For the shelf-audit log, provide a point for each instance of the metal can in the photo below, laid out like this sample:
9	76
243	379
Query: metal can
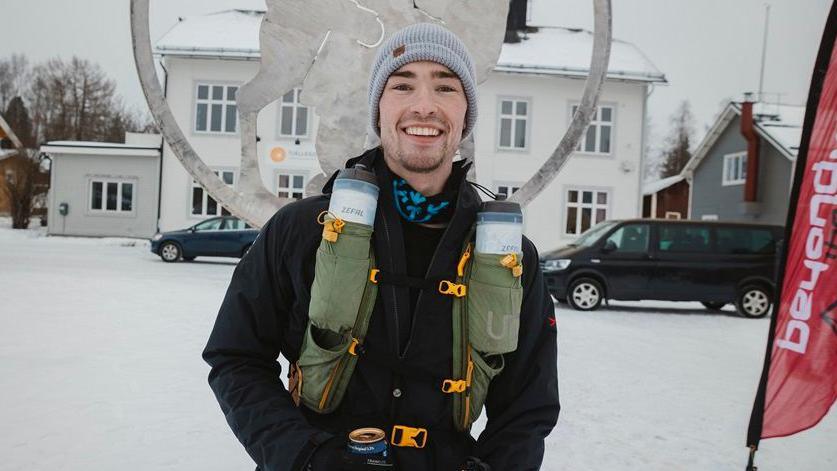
368	442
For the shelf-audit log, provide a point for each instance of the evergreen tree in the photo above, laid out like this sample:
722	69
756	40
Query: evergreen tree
17	116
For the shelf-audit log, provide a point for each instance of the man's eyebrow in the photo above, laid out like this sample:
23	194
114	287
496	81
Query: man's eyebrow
444	74
403	73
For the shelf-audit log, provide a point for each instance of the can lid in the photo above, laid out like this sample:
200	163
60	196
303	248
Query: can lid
358	174
366	435
500	207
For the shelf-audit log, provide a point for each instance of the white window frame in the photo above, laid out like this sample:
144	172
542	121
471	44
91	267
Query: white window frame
673	215
709	217
295	106
598	123
120	182
526	118
739	160
225	103
290	190
205	196
510	186
593	206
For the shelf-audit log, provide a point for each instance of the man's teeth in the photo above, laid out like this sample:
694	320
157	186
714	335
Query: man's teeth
416	131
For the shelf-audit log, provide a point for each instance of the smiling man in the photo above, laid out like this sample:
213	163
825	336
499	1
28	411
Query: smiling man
422	100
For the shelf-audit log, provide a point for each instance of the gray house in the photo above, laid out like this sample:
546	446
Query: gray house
743	168
104	189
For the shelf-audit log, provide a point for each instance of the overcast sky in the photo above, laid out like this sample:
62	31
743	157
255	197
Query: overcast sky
710	50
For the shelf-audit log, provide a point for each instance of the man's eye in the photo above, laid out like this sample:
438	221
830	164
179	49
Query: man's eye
447	88
401	87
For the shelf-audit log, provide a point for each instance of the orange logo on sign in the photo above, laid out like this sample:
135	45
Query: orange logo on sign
277	154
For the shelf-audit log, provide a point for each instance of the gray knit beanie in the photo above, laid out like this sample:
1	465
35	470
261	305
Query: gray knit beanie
423	42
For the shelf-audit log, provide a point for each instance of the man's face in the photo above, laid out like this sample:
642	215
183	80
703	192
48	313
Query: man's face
422	113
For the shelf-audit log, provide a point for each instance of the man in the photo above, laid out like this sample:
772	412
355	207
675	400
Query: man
422	99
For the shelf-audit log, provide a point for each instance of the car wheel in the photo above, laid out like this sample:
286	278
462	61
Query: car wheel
753	301
586	294
714	306
188	259
169	252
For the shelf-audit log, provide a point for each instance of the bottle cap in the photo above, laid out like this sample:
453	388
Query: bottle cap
500	207
358	174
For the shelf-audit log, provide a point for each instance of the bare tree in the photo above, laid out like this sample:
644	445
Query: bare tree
676	153
75	100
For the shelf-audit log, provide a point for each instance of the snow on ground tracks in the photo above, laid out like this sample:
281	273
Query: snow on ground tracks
100	369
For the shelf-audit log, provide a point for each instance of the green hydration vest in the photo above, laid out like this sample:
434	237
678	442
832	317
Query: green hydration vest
485	320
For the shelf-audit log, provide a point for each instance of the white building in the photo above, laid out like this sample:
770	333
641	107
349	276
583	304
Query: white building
525	107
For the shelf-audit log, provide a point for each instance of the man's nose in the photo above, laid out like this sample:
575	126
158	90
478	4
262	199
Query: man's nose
424	102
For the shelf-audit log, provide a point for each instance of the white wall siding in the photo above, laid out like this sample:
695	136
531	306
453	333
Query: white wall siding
222	150
550	102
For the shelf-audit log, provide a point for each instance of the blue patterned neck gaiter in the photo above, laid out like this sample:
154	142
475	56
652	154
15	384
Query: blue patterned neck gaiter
415	207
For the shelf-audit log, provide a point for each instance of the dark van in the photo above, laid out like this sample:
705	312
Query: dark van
715	263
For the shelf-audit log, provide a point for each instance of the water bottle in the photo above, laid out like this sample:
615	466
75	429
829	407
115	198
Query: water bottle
499	228
354	196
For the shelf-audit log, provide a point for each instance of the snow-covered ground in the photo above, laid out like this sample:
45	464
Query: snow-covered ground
100	369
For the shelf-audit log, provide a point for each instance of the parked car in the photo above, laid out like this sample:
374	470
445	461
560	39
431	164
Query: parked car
224	236
715	263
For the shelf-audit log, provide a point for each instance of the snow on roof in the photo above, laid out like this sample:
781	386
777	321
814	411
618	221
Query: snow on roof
782	123
233	33
7	153
550	50
566	51
107	145
653	187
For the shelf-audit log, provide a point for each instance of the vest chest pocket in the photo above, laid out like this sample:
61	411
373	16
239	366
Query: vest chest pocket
485	369
340	274
493	301
320	367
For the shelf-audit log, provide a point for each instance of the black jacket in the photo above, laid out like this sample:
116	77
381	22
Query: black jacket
264	315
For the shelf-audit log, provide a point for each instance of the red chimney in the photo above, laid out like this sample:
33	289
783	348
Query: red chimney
748	131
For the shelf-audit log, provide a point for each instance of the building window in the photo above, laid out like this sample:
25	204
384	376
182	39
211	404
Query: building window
215	109
205	205
293	116
507	190
514	120
735	169
597	138
585	209
290	186
111	196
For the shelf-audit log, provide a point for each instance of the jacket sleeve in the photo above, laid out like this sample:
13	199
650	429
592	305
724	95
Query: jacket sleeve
522	403
243	350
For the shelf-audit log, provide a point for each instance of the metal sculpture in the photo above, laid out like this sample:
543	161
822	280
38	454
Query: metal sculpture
327	46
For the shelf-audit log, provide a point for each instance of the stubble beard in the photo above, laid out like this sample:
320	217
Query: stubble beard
416	162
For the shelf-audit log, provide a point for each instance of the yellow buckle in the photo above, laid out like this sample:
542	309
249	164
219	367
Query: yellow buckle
447	287
373	275
509	261
355	343
454	386
517	271
405	436
460	268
